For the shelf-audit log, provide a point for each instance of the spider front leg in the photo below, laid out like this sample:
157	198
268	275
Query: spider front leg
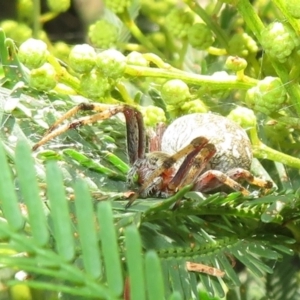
134	125
213	179
190	169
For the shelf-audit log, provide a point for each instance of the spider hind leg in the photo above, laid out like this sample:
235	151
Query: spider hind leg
212	179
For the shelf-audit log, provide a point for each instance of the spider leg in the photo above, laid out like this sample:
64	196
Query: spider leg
194	147
199	164
207	182
213	179
70	113
192	167
239	173
134	125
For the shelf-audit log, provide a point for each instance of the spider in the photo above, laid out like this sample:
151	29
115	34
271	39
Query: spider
205	150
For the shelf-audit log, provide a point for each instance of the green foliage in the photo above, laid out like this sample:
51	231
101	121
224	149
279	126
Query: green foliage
76	245
80	246
63	216
87	254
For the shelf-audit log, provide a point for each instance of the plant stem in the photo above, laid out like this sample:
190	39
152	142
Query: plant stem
48	17
36	18
124	93
228	82
63	74
182	53
260	150
155	59
265	152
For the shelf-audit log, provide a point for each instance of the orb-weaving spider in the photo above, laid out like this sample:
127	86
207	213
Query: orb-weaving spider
205	150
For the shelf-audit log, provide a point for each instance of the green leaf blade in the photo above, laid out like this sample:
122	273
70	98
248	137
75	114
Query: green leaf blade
154	278
110	250
30	191
116	162
224	265
244	258
59	212
93	165
8	196
135	264
87	230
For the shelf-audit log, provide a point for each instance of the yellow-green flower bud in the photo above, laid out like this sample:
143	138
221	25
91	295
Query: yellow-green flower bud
236	63
82	58
268	96
58	6
111	63
293	7
94	85
103	34
153	115
175	91
43	78
194	106
19	32
200	36
245	117
33	53
136	59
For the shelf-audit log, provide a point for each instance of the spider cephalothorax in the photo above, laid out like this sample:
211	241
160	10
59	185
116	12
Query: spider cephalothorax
204	150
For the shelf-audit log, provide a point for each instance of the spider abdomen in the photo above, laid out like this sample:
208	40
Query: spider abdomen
231	141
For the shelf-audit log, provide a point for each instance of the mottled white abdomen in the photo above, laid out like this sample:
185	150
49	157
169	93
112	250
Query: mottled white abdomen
231	141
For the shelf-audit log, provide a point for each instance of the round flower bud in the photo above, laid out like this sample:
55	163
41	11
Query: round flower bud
58	6
158	39
293	7
236	63
153	115
19	32
178	22
243	116
33	53
268	96
194	106
174	111
43	78
200	36
103	34
111	63
242	44
279	40
175	91
25	10
156	8
118	6
136	59
94	85
82	58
